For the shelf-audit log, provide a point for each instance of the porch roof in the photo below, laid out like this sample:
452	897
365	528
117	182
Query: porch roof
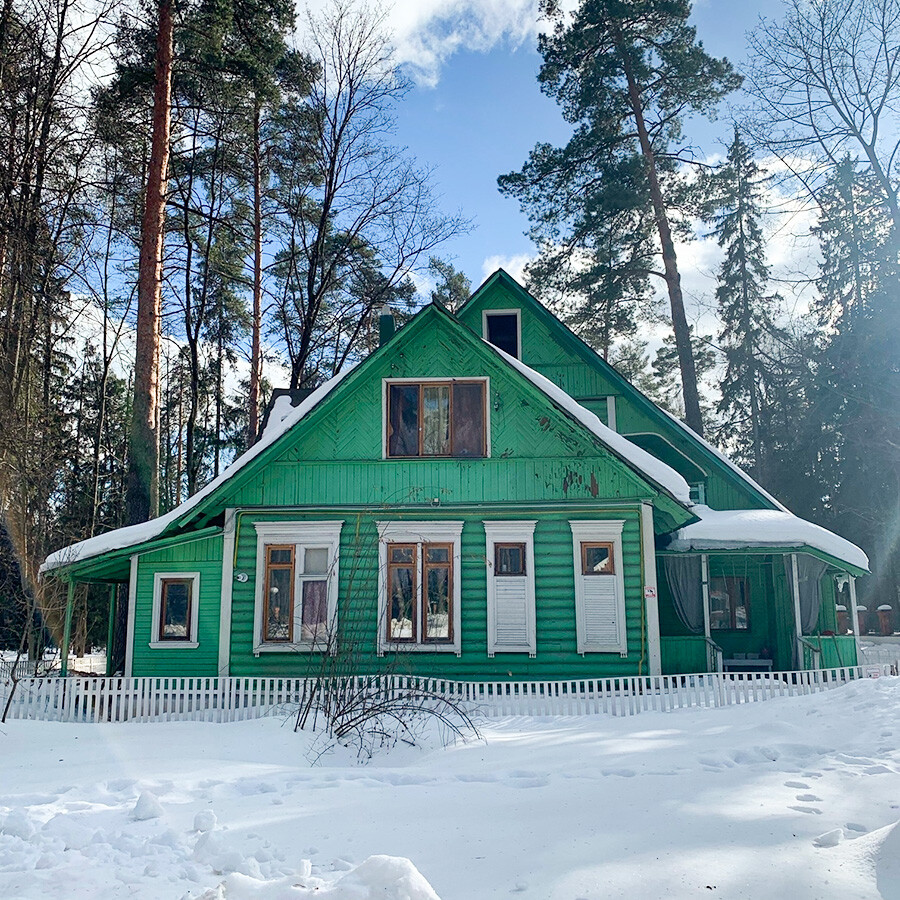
769	529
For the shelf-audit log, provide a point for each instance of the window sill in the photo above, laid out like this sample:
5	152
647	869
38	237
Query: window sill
619	650
400	647
290	648
174	645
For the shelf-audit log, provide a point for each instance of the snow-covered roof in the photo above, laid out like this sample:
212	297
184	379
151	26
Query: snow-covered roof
724	459
735	529
656	470
282	418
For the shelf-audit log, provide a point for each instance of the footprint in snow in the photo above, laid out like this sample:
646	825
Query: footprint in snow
808	798
796	784
622	773
855	826
807	809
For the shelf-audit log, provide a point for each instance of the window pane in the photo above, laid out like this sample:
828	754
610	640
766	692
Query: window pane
403	431
280	555
438	604
176	610
400	612
468	418
279	605
401	554
436	420
729	604
315	561
437	554
509	559
314	614
596	559
503	332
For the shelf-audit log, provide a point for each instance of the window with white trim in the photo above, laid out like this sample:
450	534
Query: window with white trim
176	598
419	586
599	586
296	585
509	554
503	329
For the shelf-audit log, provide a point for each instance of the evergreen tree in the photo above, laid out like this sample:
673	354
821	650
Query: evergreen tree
452	287
626	75
749	336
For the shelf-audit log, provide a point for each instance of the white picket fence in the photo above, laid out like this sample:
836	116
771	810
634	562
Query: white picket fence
115	699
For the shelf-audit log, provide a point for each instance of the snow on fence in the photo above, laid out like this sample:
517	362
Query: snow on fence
117	699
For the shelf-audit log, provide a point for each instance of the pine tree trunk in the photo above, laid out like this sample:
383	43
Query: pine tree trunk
256	350
143	459
670	263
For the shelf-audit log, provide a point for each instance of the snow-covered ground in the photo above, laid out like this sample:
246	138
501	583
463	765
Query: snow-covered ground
795	798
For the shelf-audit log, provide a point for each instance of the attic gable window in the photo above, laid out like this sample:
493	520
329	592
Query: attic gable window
503	329
436	418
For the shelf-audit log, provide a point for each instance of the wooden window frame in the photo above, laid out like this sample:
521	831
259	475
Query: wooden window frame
434	382
426	568
505	545
392	567
296	537
732	610
589	545
191	640
422	535
289	567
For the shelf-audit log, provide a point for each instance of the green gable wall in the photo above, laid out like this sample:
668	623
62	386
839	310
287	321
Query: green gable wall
550	348
203	556
358	602
537	453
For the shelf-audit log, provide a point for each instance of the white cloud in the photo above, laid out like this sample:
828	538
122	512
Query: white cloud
514	265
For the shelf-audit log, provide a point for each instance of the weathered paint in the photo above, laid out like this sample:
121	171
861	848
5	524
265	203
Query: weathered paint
554	351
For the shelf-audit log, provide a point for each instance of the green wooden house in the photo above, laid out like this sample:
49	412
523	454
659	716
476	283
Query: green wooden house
482	498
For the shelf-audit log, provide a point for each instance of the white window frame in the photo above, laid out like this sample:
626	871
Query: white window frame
487	313
302	535
386	382
401	532
507	532
192	643
599	531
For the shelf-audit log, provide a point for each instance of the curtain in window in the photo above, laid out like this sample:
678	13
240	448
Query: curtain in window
809	575
684	577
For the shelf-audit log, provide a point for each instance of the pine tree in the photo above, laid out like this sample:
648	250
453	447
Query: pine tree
749	336
626	75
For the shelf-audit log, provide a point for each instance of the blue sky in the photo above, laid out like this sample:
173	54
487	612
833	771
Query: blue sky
476	110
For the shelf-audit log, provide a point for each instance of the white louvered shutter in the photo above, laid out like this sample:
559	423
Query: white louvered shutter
511	612
601	610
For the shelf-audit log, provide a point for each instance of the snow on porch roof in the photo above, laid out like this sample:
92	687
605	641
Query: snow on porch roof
282	419
737	529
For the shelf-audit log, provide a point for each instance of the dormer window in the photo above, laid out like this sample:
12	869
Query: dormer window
436	418
503	328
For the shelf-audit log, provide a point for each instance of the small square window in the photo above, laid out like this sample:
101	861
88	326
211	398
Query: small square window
509	559
597	559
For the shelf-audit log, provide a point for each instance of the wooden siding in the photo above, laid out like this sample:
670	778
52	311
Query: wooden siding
358	604
205	557
549	348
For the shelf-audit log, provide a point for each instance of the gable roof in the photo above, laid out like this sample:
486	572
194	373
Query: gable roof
651	470
581	349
